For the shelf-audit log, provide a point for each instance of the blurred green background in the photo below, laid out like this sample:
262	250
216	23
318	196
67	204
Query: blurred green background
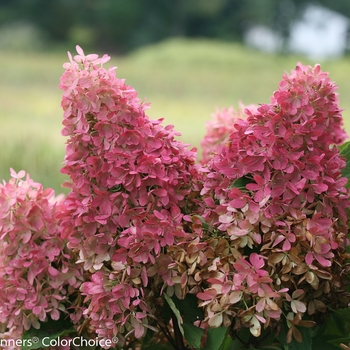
186	58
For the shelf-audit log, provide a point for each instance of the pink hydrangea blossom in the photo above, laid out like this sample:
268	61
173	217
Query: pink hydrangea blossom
274	187
37	274
130	182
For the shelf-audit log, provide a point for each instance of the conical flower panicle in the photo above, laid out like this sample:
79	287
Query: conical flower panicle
130	182
274	207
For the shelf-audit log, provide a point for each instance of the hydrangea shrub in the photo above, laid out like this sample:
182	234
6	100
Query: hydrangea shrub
247	248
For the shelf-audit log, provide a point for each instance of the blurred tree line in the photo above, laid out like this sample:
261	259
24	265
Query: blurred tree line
122	25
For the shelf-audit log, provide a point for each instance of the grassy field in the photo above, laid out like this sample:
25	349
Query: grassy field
184	80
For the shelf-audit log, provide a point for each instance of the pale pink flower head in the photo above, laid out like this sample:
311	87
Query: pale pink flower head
35	266
219	128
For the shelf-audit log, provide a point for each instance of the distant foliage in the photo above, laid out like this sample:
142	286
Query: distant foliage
122	26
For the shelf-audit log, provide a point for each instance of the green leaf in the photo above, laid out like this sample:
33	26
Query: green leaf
228	344
235	344
193	335
345	152
306	333
241	182
188	308
337	324
50	330
217	338
175	311
320	343
267	338
243	337
336	342
343	314
334	331
166	313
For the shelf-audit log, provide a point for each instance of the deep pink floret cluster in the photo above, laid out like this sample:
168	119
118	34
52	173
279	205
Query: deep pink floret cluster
130	186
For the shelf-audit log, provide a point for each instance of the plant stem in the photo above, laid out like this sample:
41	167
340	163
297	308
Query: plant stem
179	341
167	334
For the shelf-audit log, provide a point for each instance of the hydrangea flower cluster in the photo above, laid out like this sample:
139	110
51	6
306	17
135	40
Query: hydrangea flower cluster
37	276
257	231
130	184
273	225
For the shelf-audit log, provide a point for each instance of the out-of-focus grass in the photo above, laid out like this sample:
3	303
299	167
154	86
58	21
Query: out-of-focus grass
30	116
184	80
